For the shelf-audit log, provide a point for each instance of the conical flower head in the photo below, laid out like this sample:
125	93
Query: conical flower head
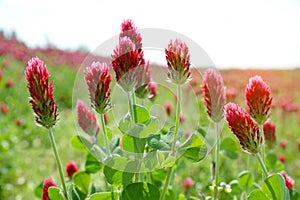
98	81
128	29
125	60
214	95
270	133
87	120
178	61
41	93
258	99
241	124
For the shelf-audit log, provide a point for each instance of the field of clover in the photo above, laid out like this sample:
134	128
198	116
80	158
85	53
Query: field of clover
137	139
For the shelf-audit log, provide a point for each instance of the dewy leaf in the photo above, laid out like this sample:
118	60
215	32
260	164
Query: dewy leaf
194	148
55	193
230	147
140	191
274	187
142	113
82	182
257	195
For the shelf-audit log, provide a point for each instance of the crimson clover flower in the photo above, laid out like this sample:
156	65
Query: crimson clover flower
152	89
258	99
242	125
125	60
71	168
48	182
41	93
214	96
128	29
98	81
270	133
87	120
178	61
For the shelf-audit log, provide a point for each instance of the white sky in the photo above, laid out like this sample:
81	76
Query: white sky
234	33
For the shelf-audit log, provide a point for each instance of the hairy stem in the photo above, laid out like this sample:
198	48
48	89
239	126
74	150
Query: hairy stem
262	164
217	156
173	147
58	161
105	135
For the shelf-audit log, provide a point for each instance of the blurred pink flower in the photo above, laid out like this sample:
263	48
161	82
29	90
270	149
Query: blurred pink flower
71	168
283	144
298	143
282	158
98	81
258	99
41	93
168	108
270	133
214	96
178	60
187	184
241	124
152	89
289	182
4	108
86	119
48	182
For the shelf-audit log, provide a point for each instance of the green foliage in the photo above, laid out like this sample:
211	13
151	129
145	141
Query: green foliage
146	191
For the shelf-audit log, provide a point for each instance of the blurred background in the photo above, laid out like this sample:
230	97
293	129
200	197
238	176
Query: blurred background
242	38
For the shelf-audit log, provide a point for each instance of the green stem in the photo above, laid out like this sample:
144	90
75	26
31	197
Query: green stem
58	161
105	135
263	149
173	147
262	164
217	153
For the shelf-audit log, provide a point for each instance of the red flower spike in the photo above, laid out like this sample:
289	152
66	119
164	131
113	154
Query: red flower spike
258	99
130	30
241	124
98	81
86	119
187	184
289	182
214	96
298	143
270	133
41	93
178	60
71	169
48	182
125	60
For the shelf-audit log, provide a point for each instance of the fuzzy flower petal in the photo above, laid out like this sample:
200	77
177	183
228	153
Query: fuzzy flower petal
86	119
214	95
41	93
178	60
128	29
98	81
289	182
258	99
241	124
